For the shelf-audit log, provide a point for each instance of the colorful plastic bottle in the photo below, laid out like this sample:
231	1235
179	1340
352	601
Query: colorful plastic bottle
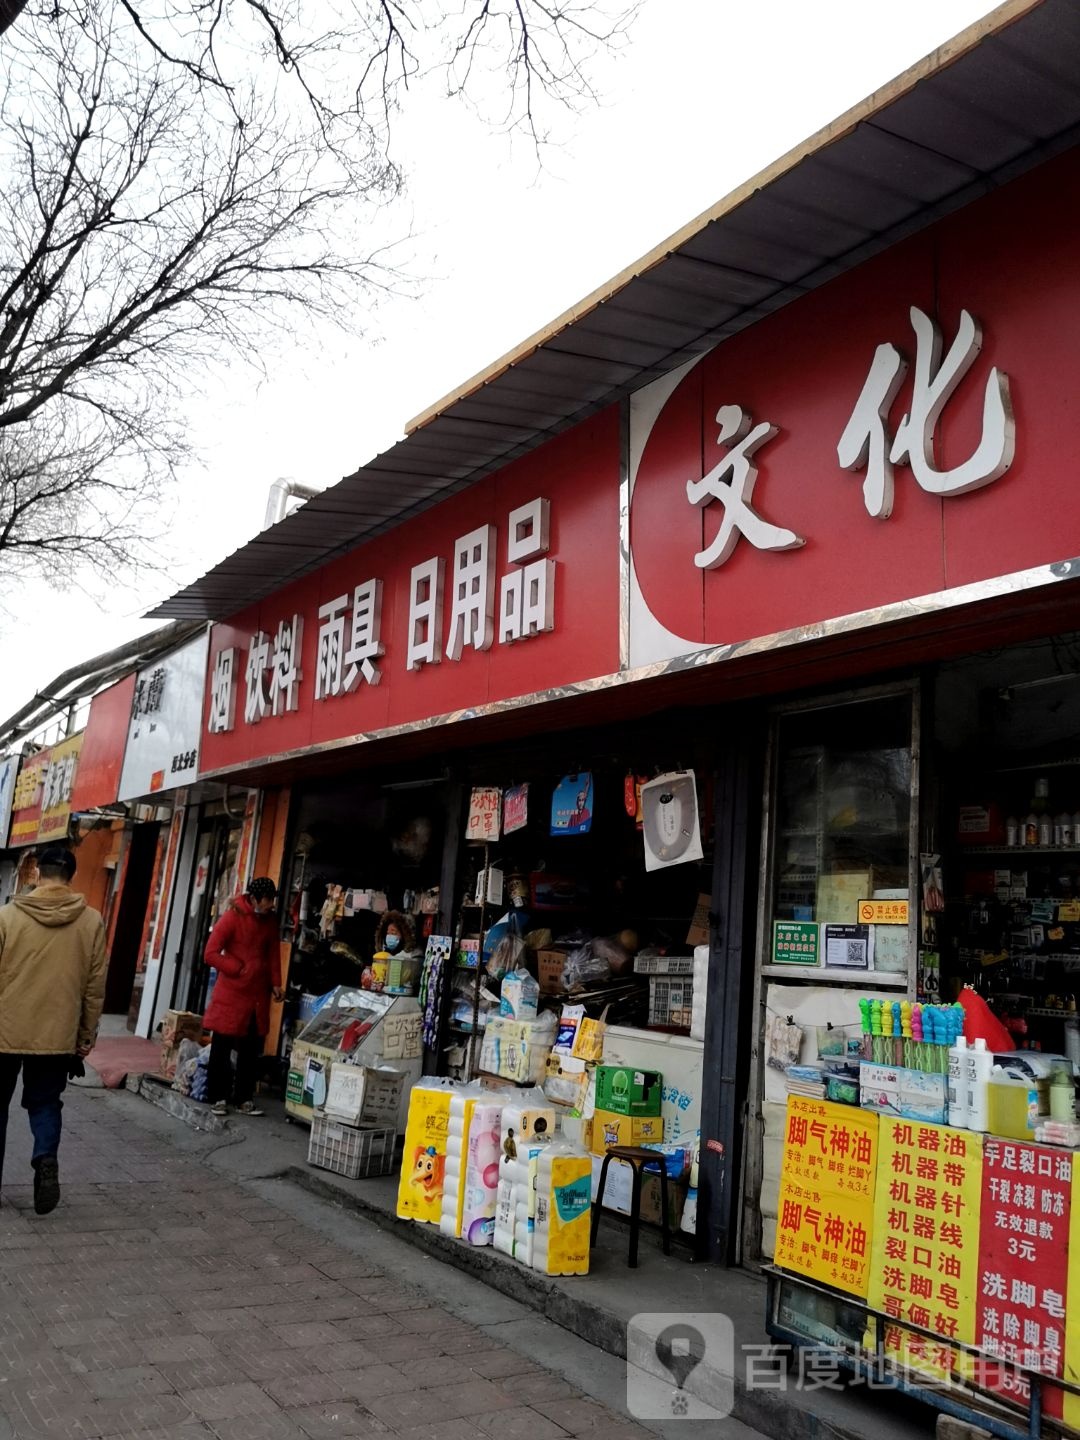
959	1109
979	1065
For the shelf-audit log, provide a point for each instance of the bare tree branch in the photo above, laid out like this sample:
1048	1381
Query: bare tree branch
182	181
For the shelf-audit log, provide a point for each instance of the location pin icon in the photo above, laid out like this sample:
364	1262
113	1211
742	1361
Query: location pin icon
679	1348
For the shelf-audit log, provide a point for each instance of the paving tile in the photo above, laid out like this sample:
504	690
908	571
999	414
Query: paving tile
531	1389
258	1427
228	1402
498	1364
167	1348
436	1429
450	1402
305	1333
520	1423
164	1302
576	1417
325	1422
121	1384
296	1392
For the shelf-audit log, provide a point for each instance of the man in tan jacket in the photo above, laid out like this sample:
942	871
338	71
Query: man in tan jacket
52	987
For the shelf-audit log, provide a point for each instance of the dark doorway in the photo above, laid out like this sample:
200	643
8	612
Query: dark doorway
130	918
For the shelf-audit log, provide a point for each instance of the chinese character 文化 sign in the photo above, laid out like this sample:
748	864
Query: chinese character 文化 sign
866	443
826	1205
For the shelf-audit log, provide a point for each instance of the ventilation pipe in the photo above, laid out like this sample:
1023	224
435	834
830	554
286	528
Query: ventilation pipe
282	491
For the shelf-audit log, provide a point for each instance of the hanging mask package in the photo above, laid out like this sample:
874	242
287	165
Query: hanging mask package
784	1040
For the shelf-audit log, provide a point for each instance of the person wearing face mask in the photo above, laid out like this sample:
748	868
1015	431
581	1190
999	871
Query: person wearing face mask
393	937
243	949
395	933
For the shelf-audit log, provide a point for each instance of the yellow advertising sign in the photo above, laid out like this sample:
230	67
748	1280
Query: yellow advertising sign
1072	1309
925	1253
883	912
56	790
826	1207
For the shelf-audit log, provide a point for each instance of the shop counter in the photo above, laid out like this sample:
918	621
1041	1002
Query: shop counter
945	1261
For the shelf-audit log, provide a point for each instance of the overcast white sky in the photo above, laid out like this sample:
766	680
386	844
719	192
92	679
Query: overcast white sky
706	93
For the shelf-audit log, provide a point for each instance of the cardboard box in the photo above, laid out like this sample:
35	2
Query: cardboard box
181	1025
906	1094
550	966
879	1088
626	1090
649	1206
612	1129
361	1095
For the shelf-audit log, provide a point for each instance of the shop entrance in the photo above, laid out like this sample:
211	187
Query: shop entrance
130	918
210	886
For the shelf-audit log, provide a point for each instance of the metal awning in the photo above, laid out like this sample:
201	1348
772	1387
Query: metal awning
993	102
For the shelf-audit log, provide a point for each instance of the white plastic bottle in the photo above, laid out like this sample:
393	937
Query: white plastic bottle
980	1066
959	1109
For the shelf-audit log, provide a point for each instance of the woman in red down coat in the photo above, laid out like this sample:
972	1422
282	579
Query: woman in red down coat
243	949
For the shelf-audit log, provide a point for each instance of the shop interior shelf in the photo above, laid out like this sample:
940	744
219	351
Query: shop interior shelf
817	975
1033	850
1043	1013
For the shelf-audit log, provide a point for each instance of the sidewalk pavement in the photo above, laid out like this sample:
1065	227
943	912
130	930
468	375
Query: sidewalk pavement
597	1309
164	1300
114	1057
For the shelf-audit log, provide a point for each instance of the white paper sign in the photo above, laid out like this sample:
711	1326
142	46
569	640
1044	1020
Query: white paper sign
485	814
166	722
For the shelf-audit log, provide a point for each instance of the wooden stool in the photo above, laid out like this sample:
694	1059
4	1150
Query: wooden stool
639	1159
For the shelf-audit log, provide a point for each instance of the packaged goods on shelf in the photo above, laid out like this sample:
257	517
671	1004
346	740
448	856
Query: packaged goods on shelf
517	1049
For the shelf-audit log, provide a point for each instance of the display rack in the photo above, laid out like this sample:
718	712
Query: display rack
471	1034
960	1396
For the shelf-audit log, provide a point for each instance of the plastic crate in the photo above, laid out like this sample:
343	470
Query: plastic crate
349	1150
671	1001
664	965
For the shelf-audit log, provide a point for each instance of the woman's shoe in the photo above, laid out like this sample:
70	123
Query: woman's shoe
219	1108
250	1108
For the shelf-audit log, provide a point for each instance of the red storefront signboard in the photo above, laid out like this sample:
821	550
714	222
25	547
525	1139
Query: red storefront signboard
507	589
26	807
897	433
1023	1278
97	782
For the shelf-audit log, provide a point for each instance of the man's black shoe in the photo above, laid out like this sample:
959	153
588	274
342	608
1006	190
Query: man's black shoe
46	1185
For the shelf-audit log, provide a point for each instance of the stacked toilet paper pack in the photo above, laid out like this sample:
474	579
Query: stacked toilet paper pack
527	1126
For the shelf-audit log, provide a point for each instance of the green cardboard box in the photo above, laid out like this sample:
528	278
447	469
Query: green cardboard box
626	1090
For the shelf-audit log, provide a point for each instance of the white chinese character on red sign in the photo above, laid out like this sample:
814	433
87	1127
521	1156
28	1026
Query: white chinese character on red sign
472	604
425	614
527	597
735	493
222	714
340	666
285	673
257	691
865	443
